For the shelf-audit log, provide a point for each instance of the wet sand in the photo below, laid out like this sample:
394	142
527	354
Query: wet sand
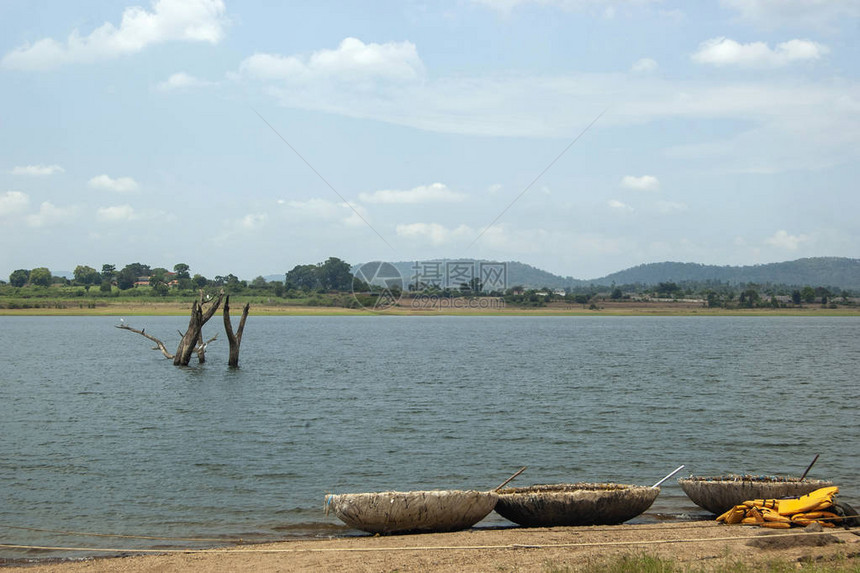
703	545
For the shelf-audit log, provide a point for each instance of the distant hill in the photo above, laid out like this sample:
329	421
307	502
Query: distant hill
521	274
518	274
838	272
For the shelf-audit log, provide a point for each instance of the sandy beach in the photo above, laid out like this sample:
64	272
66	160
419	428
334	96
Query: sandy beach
702	545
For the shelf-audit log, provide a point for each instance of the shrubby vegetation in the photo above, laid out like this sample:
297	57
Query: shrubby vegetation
716	294
327	283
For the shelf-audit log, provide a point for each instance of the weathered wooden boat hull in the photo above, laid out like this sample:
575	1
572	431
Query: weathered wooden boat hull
721	493
574	504
412	511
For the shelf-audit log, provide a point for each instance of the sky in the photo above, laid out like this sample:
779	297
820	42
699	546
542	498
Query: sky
579	136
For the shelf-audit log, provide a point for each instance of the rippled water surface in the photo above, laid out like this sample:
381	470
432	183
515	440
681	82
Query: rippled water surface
98	433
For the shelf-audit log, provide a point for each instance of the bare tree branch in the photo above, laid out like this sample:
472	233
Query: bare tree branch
200	349
159	344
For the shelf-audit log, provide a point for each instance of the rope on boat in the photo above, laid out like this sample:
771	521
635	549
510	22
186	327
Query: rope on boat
417	547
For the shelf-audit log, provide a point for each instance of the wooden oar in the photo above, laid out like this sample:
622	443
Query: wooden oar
510	479
679	468
815	459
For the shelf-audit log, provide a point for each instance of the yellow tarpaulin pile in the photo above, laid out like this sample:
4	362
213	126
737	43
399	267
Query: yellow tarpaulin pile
783	513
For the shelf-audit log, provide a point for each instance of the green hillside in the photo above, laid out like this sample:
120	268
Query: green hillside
838	272
518	274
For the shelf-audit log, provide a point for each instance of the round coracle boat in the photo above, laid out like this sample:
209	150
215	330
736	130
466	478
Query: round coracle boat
412	511
574	504
720	494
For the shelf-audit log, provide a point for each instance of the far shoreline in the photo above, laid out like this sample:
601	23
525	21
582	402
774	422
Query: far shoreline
604	309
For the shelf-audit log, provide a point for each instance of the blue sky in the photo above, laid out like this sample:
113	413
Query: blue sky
246	138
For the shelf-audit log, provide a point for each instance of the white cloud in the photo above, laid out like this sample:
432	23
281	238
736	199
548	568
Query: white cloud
768	13
822	131
643	183
49	214
501	5
788	123
781	239
607	8
318	208
727	52
323	209
169	20
182	81
504	104
618	205
246	226
37	170
352	60
434	193
119	185
434	233
253	221
644	66
13	202
671	206
116	213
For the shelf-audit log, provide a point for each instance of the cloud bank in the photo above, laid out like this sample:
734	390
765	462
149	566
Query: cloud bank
37	170
168	21
118	185
352	60
434	193
643	183
727	52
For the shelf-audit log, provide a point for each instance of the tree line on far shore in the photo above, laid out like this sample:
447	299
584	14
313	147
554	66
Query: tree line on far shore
322	284
329	282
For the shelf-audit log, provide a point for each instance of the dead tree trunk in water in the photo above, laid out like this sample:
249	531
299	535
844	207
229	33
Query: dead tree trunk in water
234	339
191	339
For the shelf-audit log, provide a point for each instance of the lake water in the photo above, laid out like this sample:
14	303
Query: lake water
98	433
